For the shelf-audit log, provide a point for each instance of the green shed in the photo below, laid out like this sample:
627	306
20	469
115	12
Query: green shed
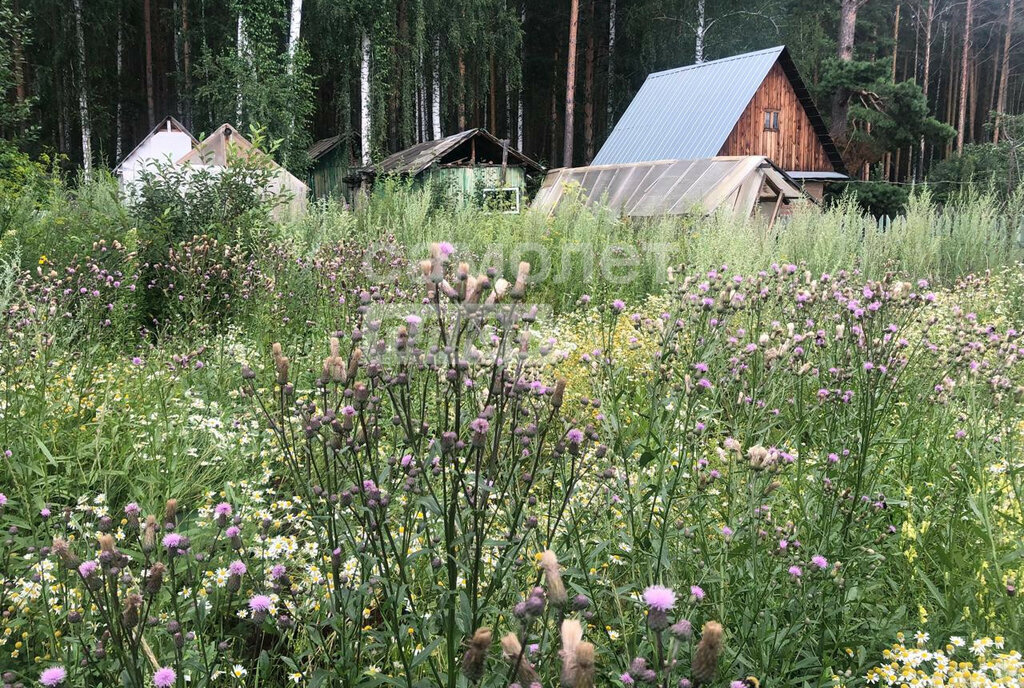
331	160
471	166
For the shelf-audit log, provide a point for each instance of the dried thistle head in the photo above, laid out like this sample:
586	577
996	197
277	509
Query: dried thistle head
64	553
149	534
106	543
519	288
553	579
512	650
559	394
584	666
476	655
171	512
705	657
571	635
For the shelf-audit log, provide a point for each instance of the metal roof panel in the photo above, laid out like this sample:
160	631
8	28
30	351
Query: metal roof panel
687	113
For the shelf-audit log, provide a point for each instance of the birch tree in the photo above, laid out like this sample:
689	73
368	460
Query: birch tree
364	98
83	91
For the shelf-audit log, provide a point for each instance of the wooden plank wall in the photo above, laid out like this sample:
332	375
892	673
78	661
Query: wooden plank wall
795	146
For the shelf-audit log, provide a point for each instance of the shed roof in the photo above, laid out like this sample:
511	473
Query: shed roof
417	158
669	187
689	112
325	146
166	124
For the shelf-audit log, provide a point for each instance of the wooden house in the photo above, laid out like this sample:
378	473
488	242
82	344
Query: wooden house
469	166
331	160
751	104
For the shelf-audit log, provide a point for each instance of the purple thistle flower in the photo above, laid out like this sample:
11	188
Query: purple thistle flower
222	509
659	597
236	568
795	571
278	571
54	676
575	436
87	568
697	592
819	561
164	677
172	540
619	305
260	603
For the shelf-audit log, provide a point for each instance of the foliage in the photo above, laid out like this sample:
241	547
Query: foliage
992	166
894	116
14	115
878	199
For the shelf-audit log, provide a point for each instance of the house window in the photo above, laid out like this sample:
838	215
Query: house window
771	120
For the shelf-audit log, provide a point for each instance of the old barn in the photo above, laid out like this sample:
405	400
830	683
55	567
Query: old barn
751	104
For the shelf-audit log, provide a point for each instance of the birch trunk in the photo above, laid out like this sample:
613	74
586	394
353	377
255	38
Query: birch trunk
364	99
294	31
186	63
698	43
147	30
570	83
119	117
83	92
435	110
609	110
1004	75
242	46
519	100
964	76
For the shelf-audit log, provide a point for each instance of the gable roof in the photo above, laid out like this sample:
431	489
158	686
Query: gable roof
689	112
668	187
419	157
213	150
165	124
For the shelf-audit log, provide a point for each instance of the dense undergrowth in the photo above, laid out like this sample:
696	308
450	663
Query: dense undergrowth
671	453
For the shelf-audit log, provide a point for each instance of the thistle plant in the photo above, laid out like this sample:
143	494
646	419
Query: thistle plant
436	456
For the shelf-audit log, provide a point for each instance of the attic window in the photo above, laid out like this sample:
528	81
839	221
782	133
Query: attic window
771	120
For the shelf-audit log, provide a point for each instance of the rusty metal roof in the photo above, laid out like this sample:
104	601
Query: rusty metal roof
669	187
418	158
689	112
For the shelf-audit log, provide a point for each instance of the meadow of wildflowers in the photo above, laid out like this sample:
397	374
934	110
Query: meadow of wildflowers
317	462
